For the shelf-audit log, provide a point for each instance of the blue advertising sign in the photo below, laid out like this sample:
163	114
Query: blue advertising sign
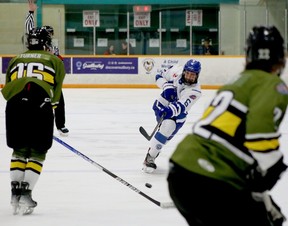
6	60
67	65
105	65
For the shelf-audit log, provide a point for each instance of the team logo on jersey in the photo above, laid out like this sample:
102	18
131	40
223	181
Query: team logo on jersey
282	88
193	97
148	65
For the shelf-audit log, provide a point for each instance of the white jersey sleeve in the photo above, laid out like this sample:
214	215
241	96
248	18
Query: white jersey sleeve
169	75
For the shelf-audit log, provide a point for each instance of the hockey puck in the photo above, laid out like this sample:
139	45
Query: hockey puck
148	185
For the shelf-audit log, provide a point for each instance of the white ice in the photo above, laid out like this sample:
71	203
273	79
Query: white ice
104	125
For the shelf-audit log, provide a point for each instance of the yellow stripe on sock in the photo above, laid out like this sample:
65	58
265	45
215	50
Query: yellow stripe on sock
34	166
17	164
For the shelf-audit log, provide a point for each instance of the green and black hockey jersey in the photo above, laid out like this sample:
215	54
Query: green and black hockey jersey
38	66
238	129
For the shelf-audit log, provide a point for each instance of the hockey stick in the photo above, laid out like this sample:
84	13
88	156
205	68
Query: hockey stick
146	135
163	205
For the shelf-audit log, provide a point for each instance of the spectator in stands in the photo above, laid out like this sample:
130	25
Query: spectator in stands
110	50
206	48
125	48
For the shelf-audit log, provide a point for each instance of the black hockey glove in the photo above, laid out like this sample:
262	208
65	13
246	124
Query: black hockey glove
274	214
262	181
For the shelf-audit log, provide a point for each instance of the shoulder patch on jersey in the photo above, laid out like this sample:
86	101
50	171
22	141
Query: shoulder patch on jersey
282	88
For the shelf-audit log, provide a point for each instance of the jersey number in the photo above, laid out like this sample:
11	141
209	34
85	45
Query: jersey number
30	70
219	105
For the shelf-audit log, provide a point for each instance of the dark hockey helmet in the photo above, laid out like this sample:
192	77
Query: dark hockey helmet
38	38
49	29
192	66
265	45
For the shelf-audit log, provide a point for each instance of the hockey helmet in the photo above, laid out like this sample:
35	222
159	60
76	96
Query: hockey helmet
38	38
265	44
49	29
191	66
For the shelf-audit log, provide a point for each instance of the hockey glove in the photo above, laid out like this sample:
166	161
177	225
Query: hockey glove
274	214
173	110
261	181
169	92
166	112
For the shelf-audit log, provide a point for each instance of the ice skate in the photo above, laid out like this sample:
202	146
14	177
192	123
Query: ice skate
26	203
63	132
16	191
149	164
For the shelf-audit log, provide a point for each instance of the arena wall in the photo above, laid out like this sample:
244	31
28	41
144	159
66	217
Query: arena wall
140	71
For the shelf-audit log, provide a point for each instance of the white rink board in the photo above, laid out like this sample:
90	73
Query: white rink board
216	70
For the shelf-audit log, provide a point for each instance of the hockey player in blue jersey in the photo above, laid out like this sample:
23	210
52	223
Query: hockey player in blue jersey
181	90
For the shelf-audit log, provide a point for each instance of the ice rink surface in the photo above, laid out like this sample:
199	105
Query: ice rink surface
104	125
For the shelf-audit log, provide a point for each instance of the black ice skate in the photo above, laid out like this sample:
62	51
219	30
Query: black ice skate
63	131
15	196
26	203
149	164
